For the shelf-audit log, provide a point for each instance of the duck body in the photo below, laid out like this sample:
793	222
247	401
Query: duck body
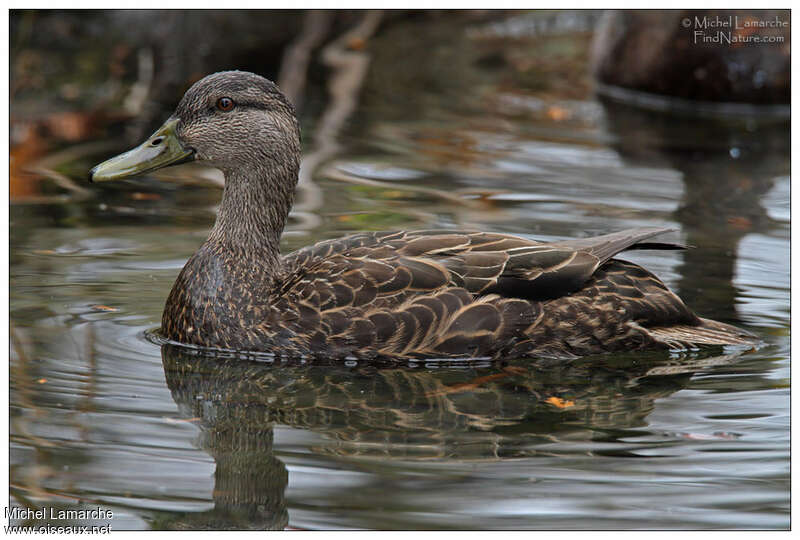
398	294
436	294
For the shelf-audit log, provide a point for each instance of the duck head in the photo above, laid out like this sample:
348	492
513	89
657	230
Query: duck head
232	120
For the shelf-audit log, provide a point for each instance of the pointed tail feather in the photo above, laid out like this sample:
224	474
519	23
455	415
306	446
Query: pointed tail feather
606	246
707	333
658	246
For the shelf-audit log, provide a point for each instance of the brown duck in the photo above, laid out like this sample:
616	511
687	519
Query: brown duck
437	293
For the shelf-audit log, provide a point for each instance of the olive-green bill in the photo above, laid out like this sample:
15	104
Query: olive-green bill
161	150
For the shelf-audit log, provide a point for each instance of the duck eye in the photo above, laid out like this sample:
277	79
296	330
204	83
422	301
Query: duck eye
225	104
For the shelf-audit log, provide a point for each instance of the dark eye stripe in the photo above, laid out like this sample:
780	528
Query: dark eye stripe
254	105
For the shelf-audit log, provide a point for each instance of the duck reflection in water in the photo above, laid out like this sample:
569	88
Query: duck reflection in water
728	165
447	411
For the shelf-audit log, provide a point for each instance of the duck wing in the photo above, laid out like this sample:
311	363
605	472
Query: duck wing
360	269
520	268
444	293
549	270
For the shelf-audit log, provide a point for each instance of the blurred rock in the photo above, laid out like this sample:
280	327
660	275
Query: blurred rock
699	55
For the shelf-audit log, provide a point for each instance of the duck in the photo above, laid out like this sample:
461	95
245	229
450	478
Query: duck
390	294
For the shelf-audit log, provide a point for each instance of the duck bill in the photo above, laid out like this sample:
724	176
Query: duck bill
162	149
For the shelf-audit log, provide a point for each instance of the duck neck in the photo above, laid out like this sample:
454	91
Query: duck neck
251	218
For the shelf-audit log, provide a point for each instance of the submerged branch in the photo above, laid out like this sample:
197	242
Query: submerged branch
349	69
294	65
335	173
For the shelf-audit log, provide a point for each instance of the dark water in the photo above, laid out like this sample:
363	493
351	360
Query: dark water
101	416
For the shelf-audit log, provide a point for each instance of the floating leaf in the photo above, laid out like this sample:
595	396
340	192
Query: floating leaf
100	307
560	403
742	223
139	196
557	114
356	44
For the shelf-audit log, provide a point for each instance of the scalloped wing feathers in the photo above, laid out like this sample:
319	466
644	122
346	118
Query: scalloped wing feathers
444	293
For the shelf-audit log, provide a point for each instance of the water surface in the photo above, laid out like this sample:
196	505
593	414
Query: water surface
165	438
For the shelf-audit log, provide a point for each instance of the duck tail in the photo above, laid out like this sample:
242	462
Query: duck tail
707	333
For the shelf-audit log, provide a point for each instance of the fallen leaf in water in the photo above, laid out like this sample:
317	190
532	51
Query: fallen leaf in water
357	44
71	125
515	370
100	307
41	381
740	222
29	148
449	147
473	384
139	196
482	194
560	403
557	114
